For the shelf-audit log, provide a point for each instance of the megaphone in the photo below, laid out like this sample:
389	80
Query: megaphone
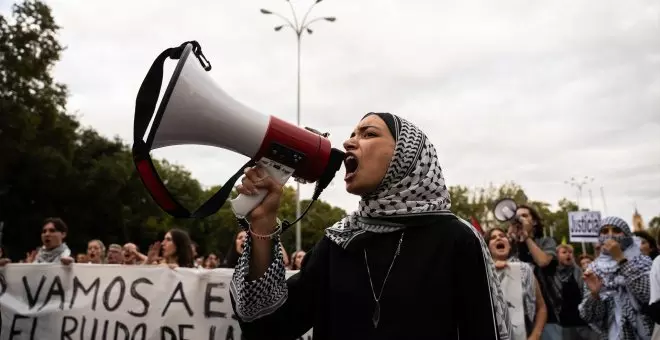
195	110
505	210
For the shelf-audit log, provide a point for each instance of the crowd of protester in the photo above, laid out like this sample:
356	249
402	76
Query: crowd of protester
175	250
612	294
606	295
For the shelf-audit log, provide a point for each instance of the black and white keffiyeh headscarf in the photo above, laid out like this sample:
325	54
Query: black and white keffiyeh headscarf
413	184
626	318
606	267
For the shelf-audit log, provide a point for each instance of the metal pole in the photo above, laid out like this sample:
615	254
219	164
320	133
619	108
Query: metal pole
584	245
298	224
602	194
579	186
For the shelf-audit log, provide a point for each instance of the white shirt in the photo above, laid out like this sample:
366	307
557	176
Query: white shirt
655	280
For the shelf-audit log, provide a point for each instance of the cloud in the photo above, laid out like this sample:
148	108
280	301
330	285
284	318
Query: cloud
535	92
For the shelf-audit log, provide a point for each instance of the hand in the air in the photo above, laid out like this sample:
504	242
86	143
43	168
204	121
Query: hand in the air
154	250
592	281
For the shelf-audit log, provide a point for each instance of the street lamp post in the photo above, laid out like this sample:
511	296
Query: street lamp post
579	184
298	27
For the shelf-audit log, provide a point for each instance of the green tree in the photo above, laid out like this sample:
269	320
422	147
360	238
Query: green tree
37	137
655	222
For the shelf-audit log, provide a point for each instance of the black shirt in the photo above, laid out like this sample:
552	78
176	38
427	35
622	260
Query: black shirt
438	288
571	298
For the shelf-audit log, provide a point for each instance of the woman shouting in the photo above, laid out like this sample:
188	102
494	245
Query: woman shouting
401	266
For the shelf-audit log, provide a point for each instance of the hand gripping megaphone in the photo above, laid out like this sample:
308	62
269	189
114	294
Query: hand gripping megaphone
195	110
505	210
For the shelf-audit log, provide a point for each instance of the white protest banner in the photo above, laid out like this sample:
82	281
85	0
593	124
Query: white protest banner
113	302
512	289
583	226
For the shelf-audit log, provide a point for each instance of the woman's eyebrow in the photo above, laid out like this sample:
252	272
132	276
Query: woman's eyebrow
362	128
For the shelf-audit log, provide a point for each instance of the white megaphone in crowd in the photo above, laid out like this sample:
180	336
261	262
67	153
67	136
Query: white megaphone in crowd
505	210
195	110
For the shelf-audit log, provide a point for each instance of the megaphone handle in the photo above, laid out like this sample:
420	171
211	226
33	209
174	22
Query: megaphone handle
243	204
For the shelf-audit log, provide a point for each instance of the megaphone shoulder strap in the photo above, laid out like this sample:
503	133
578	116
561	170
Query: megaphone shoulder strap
145	105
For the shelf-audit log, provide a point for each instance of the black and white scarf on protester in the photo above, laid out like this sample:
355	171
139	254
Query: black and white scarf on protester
413	185
614	284
562	276
52	255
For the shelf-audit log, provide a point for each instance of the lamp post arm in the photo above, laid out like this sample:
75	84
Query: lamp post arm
309	10
306	25
292	27
288	22
295	17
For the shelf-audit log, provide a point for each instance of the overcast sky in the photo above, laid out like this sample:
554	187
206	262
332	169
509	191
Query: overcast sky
530	91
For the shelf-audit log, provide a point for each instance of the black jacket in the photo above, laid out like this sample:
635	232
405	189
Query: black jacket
437	289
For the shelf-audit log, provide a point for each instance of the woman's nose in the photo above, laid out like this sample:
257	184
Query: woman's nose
350	144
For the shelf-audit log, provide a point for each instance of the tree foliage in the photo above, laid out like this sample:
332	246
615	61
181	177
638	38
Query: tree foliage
655	222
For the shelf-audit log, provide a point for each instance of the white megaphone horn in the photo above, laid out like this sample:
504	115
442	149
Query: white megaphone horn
195	110
505	210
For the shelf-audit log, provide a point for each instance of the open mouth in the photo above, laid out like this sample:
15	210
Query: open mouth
351	165
500	246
